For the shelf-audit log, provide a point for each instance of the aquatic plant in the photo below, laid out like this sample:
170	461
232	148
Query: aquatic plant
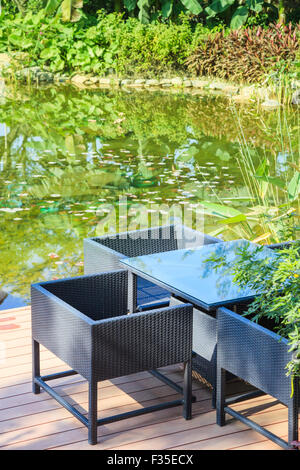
272	189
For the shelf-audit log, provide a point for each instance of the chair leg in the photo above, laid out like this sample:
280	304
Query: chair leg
293	420
36	368
93	412
220	393
214	397
187	390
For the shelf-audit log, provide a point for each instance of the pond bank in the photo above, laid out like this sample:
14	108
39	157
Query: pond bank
266	95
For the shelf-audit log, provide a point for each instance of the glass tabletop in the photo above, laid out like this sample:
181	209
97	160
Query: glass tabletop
188	274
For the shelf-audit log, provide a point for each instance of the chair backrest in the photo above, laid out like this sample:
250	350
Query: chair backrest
141	242
142	341
94	295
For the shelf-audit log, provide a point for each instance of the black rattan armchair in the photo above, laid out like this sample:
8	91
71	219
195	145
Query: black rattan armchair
104	253
84	322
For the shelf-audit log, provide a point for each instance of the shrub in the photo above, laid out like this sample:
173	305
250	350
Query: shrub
98	45
246	54
277	282
154	48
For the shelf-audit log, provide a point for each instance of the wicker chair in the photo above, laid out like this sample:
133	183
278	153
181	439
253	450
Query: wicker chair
84	322
103	254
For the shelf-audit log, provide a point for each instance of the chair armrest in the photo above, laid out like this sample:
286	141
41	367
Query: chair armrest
99	258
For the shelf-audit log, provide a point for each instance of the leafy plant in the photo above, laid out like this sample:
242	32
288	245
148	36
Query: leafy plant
239	11
147	10
271	210
110	43
70	9
245	55
276	280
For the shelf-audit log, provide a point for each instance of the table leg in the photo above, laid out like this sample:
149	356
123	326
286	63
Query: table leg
132	292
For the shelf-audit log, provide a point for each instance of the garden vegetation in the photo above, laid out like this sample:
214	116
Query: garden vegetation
242	40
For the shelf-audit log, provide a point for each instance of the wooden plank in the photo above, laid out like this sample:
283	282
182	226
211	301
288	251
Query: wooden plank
81	402
21	332
17	310
236	441
23	356
42	442
8	372
21	378
265	444
19	389
105	388
179	436
30	421
17	342
164	435
24	319
67	430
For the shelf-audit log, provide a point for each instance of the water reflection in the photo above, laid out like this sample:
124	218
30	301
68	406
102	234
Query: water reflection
66	155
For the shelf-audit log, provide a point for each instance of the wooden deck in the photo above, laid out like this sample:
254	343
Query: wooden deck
38	422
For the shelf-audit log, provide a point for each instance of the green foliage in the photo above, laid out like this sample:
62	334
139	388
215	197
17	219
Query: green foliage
110	43
128	47
146	10
234	13
35	5
154	48
246	55
276	280
271	213
149	10
70	9
238	12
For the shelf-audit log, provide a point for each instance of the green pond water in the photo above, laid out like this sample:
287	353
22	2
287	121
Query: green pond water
67	157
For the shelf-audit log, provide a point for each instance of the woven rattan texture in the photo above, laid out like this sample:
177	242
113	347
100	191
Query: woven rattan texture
91	295
68	336
142	341
254	354
142	242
